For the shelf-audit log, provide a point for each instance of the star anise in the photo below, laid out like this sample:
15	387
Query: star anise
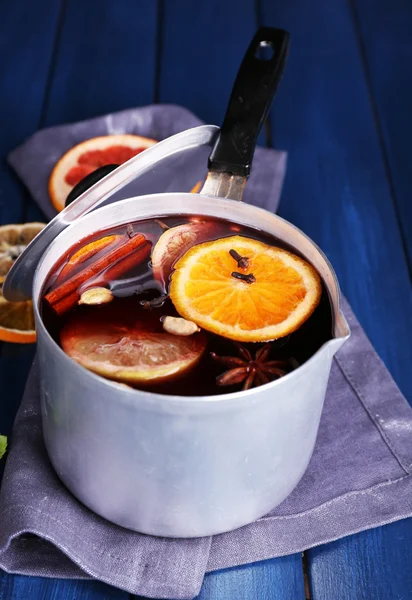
249	370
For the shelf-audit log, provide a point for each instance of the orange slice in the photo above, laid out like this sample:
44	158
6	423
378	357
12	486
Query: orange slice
88	156
284	294
16	321
130	354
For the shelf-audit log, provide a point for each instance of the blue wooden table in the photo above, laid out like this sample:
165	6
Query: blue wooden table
343	113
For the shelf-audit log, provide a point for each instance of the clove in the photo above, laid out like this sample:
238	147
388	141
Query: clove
242	261
162	225
249	278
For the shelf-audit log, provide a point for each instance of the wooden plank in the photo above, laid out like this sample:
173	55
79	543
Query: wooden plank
374	565
337	191
267	580
202	46
18	587
200	54
23	77
105	59
384	34
23	80
15	363
336	188
121	59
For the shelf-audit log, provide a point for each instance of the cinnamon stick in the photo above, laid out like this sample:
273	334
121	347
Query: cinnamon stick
85	253
65	304
111	266
126	263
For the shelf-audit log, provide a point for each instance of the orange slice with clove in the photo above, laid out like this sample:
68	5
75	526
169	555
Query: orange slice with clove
265	297
138	353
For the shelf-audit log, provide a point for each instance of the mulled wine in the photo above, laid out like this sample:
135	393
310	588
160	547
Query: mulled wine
186	305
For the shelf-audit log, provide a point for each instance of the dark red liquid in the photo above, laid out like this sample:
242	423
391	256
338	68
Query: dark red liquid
139	284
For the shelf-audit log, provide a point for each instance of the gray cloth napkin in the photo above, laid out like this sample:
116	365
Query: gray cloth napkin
358	478
34	160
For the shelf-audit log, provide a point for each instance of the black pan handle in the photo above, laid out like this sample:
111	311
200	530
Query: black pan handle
250	102
87	182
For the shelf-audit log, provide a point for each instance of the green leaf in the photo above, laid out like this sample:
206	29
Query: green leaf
3	445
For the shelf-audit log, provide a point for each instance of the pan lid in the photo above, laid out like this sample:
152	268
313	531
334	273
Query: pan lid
178	162
174	165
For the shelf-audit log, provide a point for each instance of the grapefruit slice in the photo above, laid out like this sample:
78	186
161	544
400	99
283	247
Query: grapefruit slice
264	297
137	354
88	156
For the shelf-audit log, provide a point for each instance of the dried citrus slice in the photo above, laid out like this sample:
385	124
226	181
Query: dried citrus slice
267	299
88	156
130	354
13	240
16	321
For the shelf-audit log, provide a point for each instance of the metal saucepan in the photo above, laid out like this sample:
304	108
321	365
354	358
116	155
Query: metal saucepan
171	465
